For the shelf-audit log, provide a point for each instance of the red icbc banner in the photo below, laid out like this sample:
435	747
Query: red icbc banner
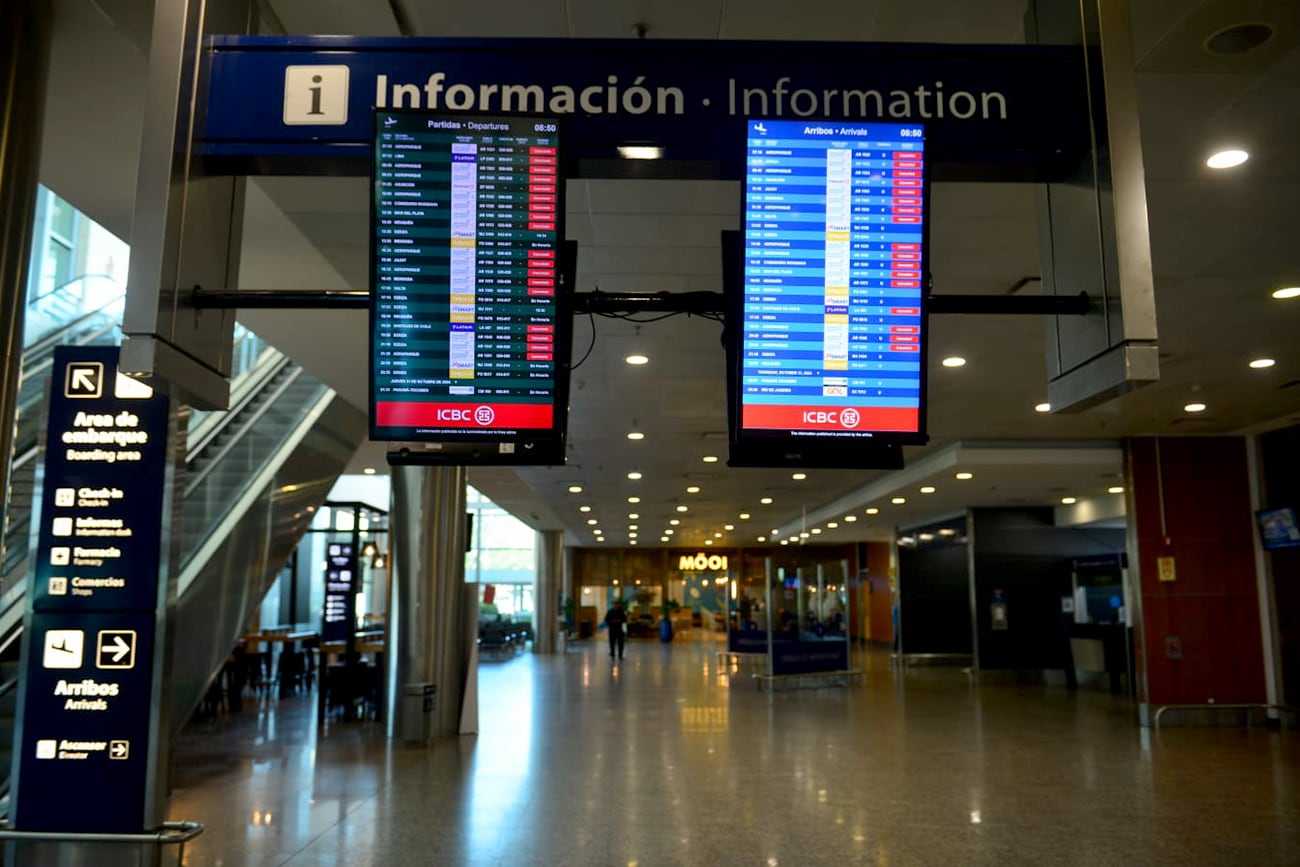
870	418
483	416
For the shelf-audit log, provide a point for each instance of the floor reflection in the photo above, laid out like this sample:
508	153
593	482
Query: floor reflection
673	756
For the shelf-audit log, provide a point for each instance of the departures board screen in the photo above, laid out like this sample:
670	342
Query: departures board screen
834	281
469	331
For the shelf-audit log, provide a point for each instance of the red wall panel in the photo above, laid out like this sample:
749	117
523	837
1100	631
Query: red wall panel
1212	607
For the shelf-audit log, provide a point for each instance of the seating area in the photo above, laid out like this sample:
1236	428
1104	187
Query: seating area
502	636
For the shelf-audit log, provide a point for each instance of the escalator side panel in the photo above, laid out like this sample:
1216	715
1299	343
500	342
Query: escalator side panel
229	586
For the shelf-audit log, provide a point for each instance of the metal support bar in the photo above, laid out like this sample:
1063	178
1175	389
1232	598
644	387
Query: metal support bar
1240	706
168	834
631	303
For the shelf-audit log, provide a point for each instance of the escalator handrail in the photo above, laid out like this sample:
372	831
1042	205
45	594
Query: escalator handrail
193	482
49	341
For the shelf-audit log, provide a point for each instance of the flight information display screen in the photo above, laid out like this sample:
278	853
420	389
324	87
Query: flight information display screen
833	341
467	322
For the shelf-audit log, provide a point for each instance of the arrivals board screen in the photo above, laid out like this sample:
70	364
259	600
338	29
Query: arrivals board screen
834	279
468	327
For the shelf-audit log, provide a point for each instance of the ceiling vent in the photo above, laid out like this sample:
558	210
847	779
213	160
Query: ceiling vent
1240	38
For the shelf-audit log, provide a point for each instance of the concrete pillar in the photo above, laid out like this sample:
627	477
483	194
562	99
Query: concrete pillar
429	639
549	587
24	58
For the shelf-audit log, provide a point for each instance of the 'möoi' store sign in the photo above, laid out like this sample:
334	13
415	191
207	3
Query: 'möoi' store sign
702	562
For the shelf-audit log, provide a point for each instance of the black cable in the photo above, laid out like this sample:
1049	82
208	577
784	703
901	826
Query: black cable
590	347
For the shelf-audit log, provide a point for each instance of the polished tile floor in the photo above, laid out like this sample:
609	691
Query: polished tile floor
668	759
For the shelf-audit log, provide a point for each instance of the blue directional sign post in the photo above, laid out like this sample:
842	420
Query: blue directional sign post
89	708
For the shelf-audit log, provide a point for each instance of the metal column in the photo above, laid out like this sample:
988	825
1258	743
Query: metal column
550	581
25	49
428	640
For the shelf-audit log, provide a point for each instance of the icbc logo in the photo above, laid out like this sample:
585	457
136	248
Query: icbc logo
821	416
484	415
850	417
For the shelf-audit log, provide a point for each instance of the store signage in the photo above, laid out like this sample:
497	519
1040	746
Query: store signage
987	107
89	683
702	562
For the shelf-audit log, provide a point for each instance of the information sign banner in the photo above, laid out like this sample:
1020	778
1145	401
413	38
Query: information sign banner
87	690
994	111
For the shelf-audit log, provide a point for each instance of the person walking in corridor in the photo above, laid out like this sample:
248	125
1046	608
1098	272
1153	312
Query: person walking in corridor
616	621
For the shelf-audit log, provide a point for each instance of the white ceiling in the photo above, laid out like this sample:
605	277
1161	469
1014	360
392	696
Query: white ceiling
1220	242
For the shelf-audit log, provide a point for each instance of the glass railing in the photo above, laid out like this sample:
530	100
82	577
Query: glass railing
218	476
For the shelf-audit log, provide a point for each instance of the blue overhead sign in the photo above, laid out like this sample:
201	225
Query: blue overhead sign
89	686
989	110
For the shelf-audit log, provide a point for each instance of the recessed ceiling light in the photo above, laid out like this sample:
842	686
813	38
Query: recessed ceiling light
947	531
816	531
1261	363
785	541
1194	407
850	518
1227	159
369	471
766	501
575	489
710	459
798	477
631	541
954	361
663	538
584	508
873	511
631	534
831	525
633	527
640	152
682	509
674	521
634	475
634	500
591	522
965	477
927	489
669	532
762	538
635	435
728	527
1069	501
708	541
898	501
1042	407
1115	489
804	534
692	489
925	537
1286	292
717	535
744	516
636	359
632	516
774	532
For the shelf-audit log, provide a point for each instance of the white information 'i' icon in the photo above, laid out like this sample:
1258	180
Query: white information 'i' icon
315	95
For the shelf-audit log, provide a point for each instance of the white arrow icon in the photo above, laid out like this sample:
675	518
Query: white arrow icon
118	648
119	749
85	379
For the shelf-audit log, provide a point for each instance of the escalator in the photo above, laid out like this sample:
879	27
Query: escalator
253	474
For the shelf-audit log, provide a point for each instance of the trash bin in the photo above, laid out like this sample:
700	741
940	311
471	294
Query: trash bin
418	703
